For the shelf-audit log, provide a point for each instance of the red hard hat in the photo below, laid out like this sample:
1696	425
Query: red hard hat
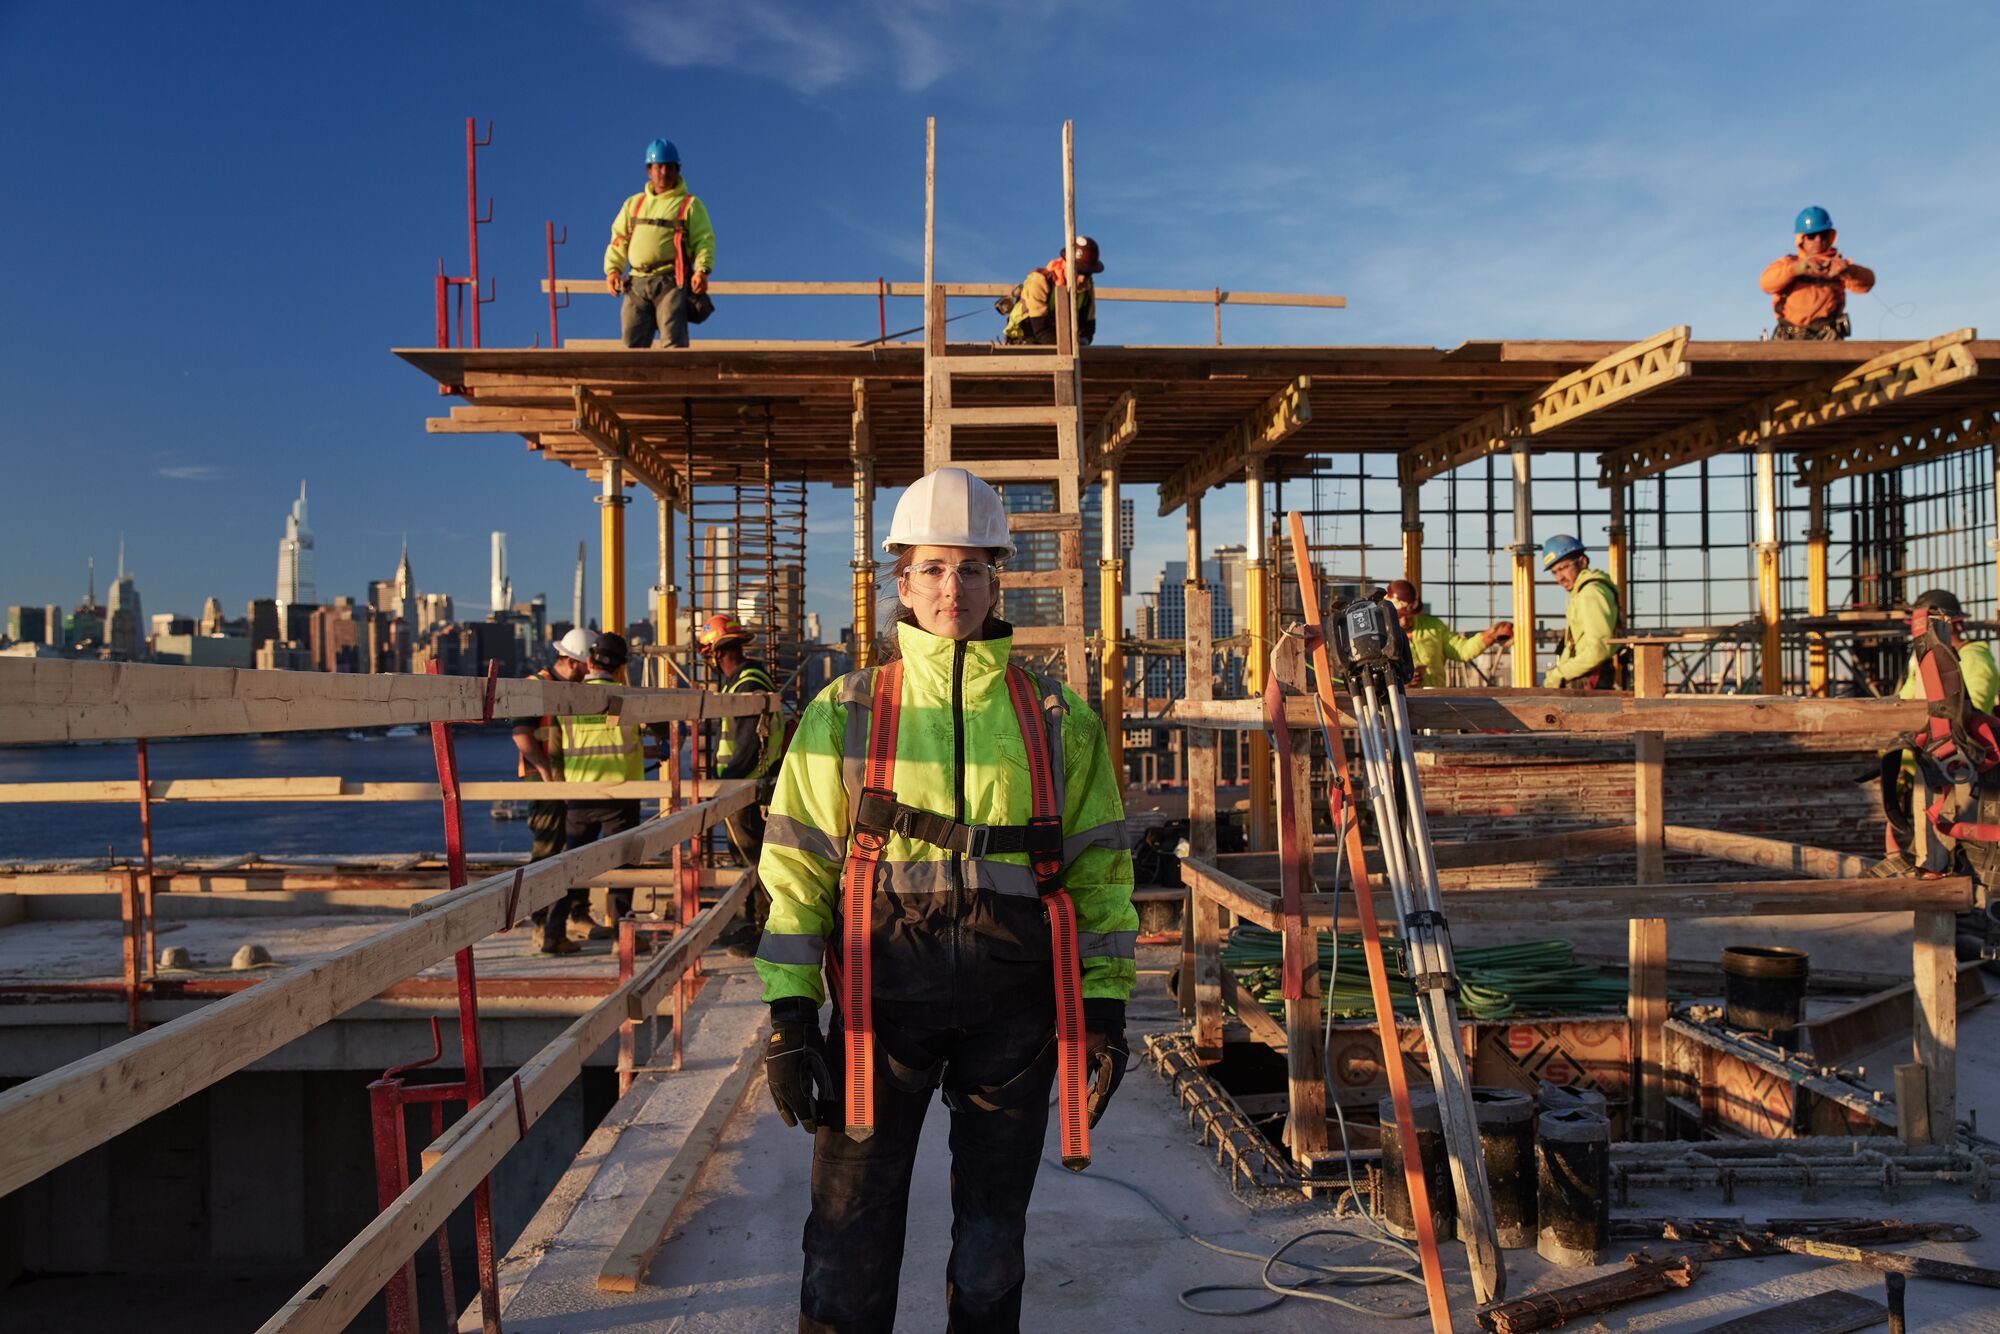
720	629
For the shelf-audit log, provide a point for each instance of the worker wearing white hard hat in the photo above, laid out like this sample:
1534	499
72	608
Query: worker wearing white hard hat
539	741
972	901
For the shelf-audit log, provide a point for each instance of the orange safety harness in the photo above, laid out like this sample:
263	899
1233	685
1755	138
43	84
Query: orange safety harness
679	225
879	814
1956	750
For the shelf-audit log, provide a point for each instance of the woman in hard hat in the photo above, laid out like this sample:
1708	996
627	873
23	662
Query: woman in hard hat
920	828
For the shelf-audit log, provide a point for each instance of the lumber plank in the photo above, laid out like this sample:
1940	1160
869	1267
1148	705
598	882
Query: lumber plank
1156	295
335	789
1254	1016
52	1118
1238	896
1201	959
634	1252
1934	968
44	699
1754	850
1593	712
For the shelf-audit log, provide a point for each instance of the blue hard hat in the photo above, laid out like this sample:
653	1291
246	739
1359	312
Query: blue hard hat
1812	221
1560	547
662	150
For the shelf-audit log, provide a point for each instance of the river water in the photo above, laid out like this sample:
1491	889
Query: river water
48	831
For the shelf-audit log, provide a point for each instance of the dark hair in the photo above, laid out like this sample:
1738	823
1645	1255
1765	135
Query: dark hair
610	652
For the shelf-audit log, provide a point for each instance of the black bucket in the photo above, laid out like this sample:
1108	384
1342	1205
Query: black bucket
1567	1097
1764	991
1573	1188
1393	1209
1507	1146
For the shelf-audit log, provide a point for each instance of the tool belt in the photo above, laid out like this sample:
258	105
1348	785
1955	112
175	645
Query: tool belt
1829	329
878	815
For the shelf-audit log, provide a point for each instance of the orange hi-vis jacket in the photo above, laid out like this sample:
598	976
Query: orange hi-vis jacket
1800	301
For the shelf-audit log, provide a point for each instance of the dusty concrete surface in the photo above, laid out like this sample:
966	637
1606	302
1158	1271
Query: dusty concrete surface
1101	1258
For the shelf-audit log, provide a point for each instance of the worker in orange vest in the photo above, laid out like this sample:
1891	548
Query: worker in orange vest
1809	288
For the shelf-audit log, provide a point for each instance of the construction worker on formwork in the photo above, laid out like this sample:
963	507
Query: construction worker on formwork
597	748
942	819
1809	289
1031	318
746	748
1432	643
539	740
1588	660
664	232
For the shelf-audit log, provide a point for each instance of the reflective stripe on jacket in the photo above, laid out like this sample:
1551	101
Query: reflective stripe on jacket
1037	301
1432	644
642	233
945	926
751	676
1590	620
597	748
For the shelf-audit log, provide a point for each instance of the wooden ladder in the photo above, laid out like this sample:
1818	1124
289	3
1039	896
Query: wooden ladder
1063	468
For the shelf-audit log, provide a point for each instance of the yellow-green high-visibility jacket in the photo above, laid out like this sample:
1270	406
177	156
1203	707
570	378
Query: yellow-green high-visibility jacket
1975	665
1432	644
597	748
643	233
948	930
1590	620
764	734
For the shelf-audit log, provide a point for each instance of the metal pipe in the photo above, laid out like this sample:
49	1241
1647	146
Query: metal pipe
611	549
1257	614
1523	655
150	883
1773	667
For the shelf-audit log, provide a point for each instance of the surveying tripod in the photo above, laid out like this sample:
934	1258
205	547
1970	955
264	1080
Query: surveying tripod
1373	654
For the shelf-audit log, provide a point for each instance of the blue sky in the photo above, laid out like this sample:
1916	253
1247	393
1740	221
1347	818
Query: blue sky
218	219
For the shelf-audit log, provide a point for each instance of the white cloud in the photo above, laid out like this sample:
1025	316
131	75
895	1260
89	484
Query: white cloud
812	48
191	472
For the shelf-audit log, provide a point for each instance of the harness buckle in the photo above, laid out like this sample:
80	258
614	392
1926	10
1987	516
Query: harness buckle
1045	852
875	818
977	837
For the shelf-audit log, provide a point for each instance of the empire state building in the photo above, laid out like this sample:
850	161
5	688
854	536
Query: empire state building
295	558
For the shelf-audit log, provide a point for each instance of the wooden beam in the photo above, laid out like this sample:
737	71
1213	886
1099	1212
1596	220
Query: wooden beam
597	422
1775	854
647	1232
337	789
1889	378
1934	964
1947	435
1646	937
52	699
52	1118
1625	374
1157	295
1604	713
1274	422
1107	440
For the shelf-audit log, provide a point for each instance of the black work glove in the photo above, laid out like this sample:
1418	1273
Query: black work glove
1104	1052
795	1063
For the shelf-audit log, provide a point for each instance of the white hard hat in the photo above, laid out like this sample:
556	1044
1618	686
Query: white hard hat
950	508
577	644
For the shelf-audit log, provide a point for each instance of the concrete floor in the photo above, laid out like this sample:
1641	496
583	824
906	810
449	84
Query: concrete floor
1100	1257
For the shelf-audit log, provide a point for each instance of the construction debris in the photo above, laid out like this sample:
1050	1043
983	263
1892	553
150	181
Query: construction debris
1641	1277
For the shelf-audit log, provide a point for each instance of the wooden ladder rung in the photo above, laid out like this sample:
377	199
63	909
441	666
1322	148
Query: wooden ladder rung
1069	579
1035	414
1047	636
1016	470
1044	522
1009	365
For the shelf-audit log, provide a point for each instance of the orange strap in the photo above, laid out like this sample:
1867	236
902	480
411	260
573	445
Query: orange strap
680	251
855	983
1047	865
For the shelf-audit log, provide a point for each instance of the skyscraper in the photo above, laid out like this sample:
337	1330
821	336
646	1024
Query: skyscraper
406	590
576	593
124	624
295	557
502	592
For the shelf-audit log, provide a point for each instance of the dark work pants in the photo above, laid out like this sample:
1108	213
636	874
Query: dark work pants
545	822
653	304
861	1191
587	822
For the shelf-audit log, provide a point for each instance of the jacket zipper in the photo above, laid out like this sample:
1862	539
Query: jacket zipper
958	798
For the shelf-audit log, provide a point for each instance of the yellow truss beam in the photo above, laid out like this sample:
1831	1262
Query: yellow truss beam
1947	435
1889	378
613	439
1625	374
1270	425
1107	440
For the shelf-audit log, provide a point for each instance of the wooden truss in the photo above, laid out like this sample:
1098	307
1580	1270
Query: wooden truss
615	442
1118	428
1886	379
1269	426
1947	435
1625	374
